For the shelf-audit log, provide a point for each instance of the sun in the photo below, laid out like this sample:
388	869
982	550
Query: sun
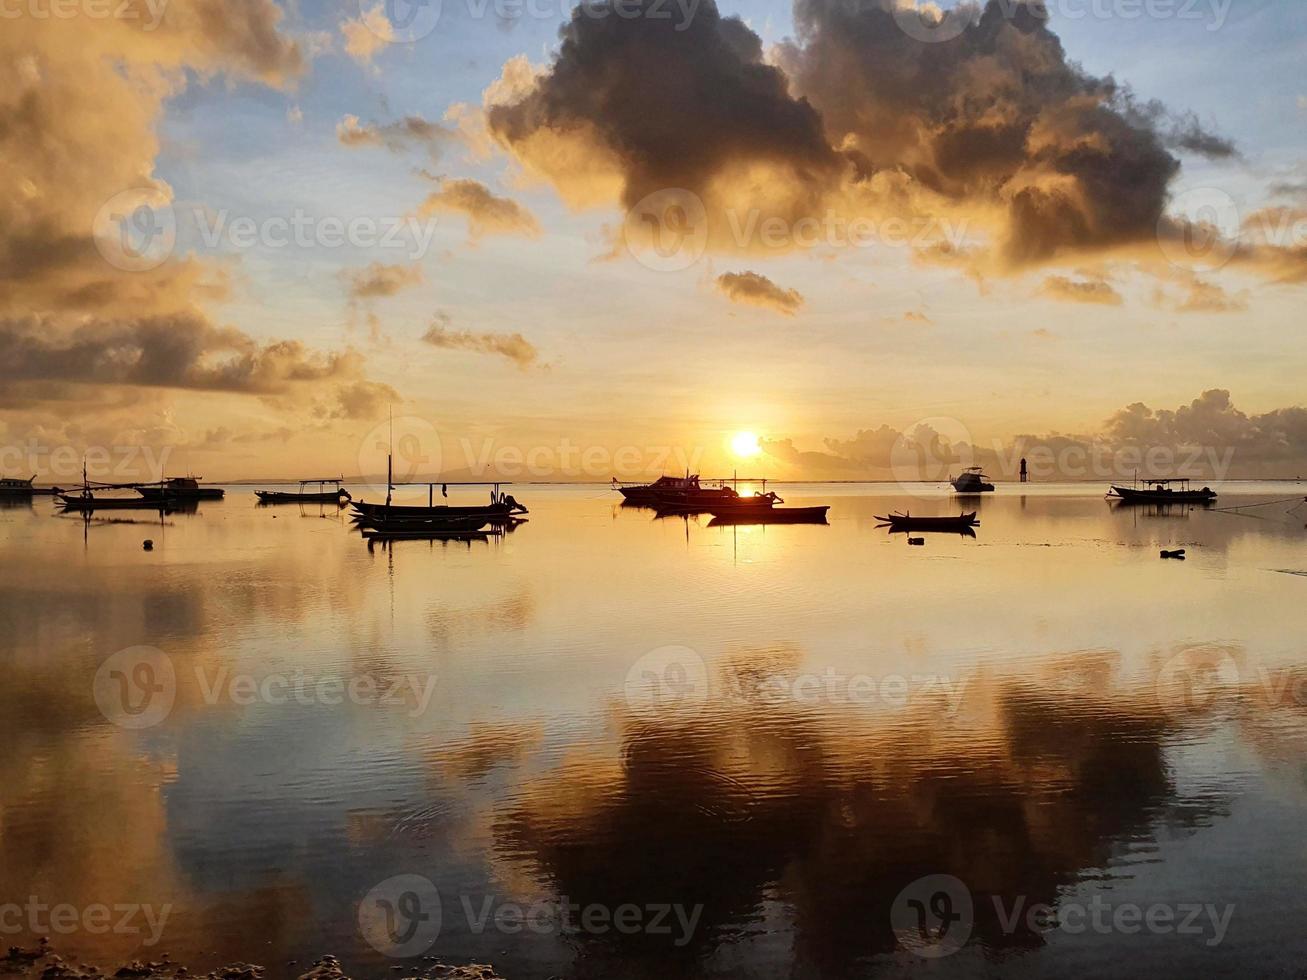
745	444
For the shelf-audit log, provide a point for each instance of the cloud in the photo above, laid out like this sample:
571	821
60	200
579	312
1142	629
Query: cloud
512	346
1210	437
367	34
362	400
1208	297
377	280
720	122
179	351
486	213
395	136
757	290
995	130
1097	291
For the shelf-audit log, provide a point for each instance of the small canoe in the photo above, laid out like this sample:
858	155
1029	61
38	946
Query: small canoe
768	515
76	501
340	497
906	522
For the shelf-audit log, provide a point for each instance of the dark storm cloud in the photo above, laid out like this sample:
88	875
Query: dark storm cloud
662	107
859	116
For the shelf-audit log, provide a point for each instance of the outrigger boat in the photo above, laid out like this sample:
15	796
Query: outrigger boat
1160	492
502	509
339	496
972	480
906	522
179	488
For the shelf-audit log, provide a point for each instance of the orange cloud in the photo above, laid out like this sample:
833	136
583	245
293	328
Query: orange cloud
757	290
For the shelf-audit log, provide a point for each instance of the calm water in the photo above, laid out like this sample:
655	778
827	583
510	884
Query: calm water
619	746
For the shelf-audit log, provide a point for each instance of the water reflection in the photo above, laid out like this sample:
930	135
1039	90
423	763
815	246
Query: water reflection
1044	712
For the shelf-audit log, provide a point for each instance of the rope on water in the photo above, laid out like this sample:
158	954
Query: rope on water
1238	510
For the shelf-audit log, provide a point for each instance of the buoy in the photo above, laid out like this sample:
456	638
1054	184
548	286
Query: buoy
1179	553
148	545
916	540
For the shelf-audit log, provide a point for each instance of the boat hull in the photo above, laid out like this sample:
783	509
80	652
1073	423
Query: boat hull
74	502
1131	495
280	497
768	515
423	528
171	494
491	512
906	522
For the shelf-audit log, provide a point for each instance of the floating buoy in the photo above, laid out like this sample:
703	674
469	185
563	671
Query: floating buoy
148	545
916	540
1179	553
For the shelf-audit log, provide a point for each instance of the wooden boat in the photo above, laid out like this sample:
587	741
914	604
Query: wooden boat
769	515
339	496
503	508
423	528
180	488
906	522
972	480
86	501
11	486
1161	492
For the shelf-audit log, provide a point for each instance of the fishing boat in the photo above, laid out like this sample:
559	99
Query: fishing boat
906	522
1163	492
322	495
86	500
503	508
769	515
11	486
763	506
179	488
972	480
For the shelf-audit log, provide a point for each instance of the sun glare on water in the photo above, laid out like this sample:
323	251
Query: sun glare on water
745	444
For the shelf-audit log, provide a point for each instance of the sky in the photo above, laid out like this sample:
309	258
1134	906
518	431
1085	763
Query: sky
238	237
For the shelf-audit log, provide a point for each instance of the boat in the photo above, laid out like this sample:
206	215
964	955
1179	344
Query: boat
685	494
1161	492
763	506
339	496
972	480
503	509
769	515
179	488
85	500
11	486
423	528
906	522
